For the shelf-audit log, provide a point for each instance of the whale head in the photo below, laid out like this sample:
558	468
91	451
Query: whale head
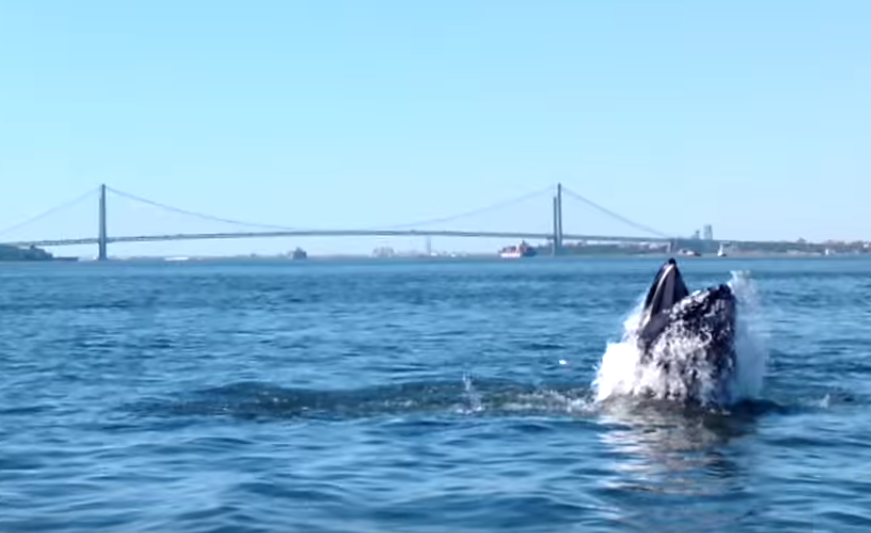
690	336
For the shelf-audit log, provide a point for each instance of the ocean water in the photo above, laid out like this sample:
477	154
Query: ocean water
442	396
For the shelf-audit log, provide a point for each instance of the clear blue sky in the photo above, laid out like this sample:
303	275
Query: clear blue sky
752	116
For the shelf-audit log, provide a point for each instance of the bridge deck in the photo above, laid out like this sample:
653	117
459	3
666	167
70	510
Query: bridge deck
353	233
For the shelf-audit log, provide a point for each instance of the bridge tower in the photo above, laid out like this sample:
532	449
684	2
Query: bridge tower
558	220
101	237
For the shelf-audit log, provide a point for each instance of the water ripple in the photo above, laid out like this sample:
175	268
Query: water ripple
449	396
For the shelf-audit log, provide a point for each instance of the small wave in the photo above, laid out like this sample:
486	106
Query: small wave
621	371
255	400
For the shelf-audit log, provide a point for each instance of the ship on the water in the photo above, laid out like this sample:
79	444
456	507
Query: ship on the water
298	254
29	253
517	251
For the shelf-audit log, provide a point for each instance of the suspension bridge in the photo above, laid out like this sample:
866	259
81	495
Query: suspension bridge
555	235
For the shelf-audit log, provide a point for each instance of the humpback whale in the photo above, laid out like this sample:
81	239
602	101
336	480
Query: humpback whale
688	337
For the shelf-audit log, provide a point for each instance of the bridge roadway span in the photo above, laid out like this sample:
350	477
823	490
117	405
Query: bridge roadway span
347	233
326	233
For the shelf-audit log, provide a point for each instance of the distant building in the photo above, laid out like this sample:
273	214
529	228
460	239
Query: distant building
695	235
709	232
384	251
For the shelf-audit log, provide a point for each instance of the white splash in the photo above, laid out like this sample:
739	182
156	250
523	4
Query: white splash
622	373
750	339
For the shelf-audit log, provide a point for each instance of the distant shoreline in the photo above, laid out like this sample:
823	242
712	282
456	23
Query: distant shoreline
436	259
457	257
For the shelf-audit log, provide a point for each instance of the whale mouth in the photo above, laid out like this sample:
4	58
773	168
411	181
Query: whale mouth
667	289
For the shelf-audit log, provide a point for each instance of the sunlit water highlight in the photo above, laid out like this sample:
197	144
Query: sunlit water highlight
418	396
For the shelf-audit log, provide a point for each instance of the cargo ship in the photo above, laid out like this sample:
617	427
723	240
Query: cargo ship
30	253
518	251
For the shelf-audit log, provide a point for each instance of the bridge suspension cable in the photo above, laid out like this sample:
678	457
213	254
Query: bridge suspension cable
614	215
491	207
51	211
200	215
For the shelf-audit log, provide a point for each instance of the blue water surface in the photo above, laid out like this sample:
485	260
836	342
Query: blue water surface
443	395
